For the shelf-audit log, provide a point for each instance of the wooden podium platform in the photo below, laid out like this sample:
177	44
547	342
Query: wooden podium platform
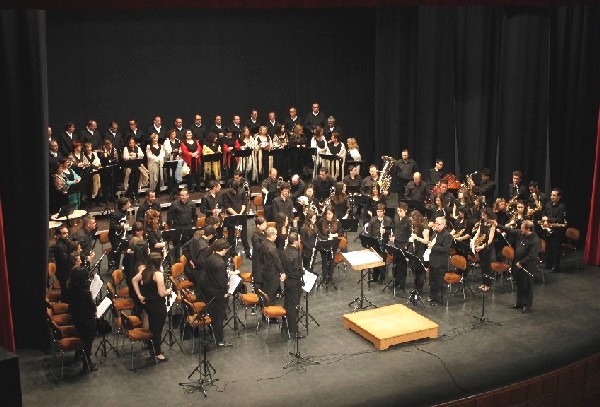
391	325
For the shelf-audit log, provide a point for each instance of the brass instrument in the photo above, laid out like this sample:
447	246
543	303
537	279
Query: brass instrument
328	200
385	178
458	234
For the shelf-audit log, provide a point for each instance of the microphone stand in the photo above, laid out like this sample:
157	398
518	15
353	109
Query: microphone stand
204	366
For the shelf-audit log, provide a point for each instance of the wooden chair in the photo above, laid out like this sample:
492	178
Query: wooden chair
271	311
53	287
119	328
120	304
118	280
62	340
456	276
502	267
201	222
178	278
137	335
192	320
339	258
103	238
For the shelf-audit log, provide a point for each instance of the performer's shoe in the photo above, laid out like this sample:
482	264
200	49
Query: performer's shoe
516	306
224	344
526	310
297	335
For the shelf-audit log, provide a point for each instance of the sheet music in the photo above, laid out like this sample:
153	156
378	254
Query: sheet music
362	257
234	281
96	286
103	307
171	300
309	280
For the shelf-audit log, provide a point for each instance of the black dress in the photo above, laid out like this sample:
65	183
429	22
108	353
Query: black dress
157	311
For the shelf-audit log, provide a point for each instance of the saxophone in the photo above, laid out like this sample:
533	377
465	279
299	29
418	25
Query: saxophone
385	179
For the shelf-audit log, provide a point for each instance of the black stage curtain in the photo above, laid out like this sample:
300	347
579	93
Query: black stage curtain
24	169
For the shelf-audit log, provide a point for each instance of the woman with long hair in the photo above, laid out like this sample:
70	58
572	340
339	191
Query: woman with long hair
328	228
155	153
482	245
417	244
264	160
308	237
191	153
340	200
374	199
281	224
247	165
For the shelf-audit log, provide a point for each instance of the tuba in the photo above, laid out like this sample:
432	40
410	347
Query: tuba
385	178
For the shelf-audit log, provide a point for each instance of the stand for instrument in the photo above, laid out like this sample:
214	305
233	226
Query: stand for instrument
350	224
234	317
171	166
395	251
231	222
329	246
242	155
371	242
330	159
105	343
204	366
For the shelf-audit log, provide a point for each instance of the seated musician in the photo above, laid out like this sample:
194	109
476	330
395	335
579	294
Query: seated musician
234	204
367	183
447	196
463	201
322	185
416	190
486	187
435	173
375	199
500	209
340	201
353	180
379	227
439	209
328	228
537	200
463	226
149	203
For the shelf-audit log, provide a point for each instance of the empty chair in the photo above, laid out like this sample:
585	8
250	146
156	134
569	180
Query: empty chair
137	335
570	243
271	312
502	267
119	285
62	340
457	275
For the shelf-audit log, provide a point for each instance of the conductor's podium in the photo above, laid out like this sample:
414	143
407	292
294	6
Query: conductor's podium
390	325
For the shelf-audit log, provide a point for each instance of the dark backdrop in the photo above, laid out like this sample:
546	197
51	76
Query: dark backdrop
497	82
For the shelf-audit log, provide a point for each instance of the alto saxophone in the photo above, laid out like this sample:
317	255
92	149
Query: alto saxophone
385	178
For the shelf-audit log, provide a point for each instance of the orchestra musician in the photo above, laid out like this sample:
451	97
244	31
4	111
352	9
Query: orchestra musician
292	269
516	190
328	228
282	224
375	198
135	256
85	236
500	210
270	186
196	251
235	204
149	286
155	240
482	245
463	201
486	188
149	203
270	265
438	260
379	227
402	232
463	226
322	185
297	189
283	203
257	239
554	217
368	182
340	201
435	173
524	263
353	180
447	196
61	258
212	202
417	189
217	283
418	242
308	237
405	167
537	200
181	215
117	231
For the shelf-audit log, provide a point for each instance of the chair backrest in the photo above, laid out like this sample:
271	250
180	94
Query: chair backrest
125	321
459	262
572	234
103	238
258	200
117	277
183	259
343	243
110	289
201	222
263	298
177	270
188	308
188	295
508	253
237	262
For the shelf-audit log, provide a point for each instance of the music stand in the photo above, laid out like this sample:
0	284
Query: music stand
211	158
243	154
349	225
108	172
172	167
234	291
370	242
330	159
103	307
330	246
362	261
396	252
231	222
134	166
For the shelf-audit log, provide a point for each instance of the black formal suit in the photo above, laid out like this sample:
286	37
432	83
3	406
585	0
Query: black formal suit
216	287
65	143
257	240
520	191
117	139
402	231
292	266
273	128
138	135
313	120
219	131
199	133
438	264
162	132
290	123
556	213
335	129
253	126
92	137
235	200
272	269
374	230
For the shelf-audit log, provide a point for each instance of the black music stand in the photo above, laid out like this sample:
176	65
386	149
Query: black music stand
234	317
210	158
231	222
330	159
396	252
243	154
329	246
171	166
179	236
169	338
108	172
134	166
104	343
349	225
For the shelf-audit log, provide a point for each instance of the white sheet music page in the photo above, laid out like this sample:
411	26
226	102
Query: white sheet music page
103	307
96	286
309	280
234	281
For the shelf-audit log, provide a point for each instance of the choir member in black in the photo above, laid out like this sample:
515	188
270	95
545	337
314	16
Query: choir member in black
134	132
314	119
483	247
234	204
181	215
253	123
85	237
308	237
328	228
416	190
149	286
554	216
61	257
283	203
331	128
282	226
270	263
340	201
375	199
132	152
405	167
191	153
149	203
108	156
155	240
486	187
212	202
65	140
517	190
54	155
196	251
198	129
292	121
257	239
117	231
83	313
353	180
270	186
528	246
435	173
379	227
438	260
292	268
322	185
418	241
115	136
401	229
